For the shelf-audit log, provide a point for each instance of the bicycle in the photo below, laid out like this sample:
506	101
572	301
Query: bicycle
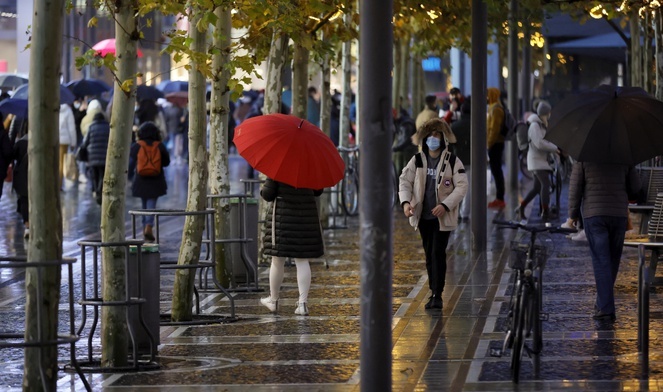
350	181
525	315
557	176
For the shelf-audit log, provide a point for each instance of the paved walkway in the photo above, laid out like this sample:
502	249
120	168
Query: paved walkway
432	350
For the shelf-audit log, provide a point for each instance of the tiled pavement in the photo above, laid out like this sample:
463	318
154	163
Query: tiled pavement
432	350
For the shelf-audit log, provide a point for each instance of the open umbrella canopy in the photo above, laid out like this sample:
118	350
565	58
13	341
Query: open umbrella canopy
609	125
15	106
179	98
144	91
84	87
66	96
12	81
289	149
108	46
172	86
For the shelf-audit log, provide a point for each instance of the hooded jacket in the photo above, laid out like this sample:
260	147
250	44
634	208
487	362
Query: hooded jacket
495	117
537	156
451	182
68	134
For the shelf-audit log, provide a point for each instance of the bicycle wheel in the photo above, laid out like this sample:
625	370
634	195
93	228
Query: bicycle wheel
512	315
350	193
524	313
558	187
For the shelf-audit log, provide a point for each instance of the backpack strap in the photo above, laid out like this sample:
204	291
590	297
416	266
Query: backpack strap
418	161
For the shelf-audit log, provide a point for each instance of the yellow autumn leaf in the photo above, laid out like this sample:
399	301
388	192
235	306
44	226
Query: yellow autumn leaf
92	22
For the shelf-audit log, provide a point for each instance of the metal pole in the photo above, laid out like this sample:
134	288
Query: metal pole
511	147
479	191
376	209
527	70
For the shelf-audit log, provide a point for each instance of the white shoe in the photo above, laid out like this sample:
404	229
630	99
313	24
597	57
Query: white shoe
301	309
567	225
267	302
581	236
26	234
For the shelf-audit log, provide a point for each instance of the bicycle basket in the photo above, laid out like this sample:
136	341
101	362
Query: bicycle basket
518	256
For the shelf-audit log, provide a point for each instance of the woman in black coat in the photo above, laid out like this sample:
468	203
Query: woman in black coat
96	144
292	230
20	183
148	188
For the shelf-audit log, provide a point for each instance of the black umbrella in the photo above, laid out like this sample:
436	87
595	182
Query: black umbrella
12	81
66	96
609	125
148	92
16	106
83	87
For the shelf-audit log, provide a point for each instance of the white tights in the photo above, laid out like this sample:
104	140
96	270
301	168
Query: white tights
276	277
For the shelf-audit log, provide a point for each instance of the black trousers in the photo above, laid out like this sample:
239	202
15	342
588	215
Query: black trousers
495	156
435	247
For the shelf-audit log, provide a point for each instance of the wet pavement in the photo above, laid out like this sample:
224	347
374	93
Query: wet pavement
432	350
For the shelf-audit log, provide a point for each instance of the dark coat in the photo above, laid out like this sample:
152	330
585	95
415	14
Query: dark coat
148	187
96	141
20	183
293	226
602	189
462	129
6	154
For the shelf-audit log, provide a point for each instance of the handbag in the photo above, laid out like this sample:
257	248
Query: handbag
70	167
81	154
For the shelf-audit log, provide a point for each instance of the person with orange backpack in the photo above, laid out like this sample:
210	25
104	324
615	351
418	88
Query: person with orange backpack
148	157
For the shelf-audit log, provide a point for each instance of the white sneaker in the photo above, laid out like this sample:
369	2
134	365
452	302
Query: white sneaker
267	302
581	236
301	309
567	225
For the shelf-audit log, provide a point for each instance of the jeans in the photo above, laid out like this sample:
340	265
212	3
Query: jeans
435	247
495	156
148	204
605	235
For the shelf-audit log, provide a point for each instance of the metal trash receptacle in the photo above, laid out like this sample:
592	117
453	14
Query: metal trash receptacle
236	268
150	275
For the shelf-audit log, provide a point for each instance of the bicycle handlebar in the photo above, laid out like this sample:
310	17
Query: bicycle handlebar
532	228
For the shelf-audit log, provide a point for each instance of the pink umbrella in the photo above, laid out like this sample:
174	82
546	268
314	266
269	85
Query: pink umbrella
108	46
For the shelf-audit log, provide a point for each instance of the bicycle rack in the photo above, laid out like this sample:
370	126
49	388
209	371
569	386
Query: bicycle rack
243	240
40	343
98	301
335	207
205	265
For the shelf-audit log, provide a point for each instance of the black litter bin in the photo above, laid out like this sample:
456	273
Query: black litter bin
236	267
150	282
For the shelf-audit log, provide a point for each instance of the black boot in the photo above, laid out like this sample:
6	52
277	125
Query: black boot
519	213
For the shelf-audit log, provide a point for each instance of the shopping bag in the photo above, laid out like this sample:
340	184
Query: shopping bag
70	167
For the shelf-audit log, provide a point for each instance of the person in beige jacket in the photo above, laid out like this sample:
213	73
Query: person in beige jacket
431	188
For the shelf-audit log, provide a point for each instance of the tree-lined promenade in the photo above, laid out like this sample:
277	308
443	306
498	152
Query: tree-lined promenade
309	34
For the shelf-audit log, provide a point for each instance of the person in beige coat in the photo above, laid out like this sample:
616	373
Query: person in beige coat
431	188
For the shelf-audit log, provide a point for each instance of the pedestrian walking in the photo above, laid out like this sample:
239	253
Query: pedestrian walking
6	154
463	133
292	230
68	139
431	188
495	143
603	190
537	161
147	158
20	182
96	144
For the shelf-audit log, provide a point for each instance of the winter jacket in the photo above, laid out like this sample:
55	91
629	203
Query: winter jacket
93	108
67	126
537	156
451	189
463	131
424	116
20	173
292	225
142	186
6	154
96	141
602	189
495	118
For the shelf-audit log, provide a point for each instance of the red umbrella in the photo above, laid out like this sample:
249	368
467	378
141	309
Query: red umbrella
108	46
290	150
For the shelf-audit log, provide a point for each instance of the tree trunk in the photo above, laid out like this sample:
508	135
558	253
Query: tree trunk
647	54
396	75
404	69
192	234
659	53
299	80
346	69
417	88
114	341
325	125
44	197
636	51
278	54
219	176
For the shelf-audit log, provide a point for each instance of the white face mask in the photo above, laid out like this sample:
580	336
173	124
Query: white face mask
433	143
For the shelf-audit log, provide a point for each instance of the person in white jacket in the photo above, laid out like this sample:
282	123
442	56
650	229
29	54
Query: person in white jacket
68	138
537	160
431	188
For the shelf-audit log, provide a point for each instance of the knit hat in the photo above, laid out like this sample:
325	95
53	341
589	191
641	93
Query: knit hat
543	109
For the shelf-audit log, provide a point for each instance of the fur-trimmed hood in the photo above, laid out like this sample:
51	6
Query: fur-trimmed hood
435	124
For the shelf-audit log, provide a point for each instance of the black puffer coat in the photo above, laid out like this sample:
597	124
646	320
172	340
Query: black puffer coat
293	226
96	140
148	187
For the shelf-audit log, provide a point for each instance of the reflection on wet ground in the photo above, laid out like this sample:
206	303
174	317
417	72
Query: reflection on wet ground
432	350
